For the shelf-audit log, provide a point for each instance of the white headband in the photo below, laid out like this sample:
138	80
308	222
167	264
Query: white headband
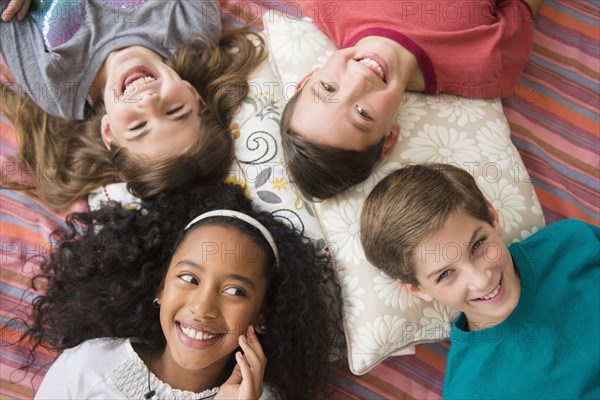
244	217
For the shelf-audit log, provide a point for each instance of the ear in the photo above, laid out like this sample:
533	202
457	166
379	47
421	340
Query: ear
390	140
260	324
105	132
415	291
159	291
495	220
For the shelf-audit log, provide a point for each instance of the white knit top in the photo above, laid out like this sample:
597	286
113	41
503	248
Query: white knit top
107	369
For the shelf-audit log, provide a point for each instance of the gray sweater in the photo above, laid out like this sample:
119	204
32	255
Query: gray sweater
55	53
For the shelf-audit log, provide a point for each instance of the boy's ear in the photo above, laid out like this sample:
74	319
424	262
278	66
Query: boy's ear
495	220
390	140
415	291
105	132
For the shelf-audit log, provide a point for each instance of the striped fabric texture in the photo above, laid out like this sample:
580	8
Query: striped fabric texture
554	116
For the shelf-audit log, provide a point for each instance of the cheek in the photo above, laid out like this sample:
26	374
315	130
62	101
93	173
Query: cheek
495	253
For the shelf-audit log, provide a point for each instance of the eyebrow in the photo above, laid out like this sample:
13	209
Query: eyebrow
236	277
473	236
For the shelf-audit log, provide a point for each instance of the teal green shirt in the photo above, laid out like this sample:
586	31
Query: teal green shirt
549	347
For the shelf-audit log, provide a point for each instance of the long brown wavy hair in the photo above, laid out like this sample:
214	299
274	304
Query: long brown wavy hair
68	159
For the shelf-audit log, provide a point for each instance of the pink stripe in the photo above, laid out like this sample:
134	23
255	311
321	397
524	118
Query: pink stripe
403	382
552	140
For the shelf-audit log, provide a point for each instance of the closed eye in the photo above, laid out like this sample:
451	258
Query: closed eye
175	110
139	126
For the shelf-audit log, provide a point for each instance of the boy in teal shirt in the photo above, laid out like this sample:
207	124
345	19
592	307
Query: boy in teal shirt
529	325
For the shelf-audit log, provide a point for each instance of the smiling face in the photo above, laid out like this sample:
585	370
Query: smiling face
150	110
214	288
466	266
352	101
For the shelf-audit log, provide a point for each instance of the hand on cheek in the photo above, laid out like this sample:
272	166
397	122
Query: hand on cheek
246	380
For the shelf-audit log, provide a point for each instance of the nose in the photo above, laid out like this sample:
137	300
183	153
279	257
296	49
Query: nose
479	278
203	303
355	83
150	101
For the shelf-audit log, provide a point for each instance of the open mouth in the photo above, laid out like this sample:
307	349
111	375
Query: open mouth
199	334
135	78
491	295
375	64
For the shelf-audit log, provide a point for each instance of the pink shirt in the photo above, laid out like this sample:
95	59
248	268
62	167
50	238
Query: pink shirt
471	48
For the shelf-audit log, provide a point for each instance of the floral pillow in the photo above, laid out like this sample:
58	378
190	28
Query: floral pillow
380	317
259	160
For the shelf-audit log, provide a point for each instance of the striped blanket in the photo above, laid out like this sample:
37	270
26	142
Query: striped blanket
555	124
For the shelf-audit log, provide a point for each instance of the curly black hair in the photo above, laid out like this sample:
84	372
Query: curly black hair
104	274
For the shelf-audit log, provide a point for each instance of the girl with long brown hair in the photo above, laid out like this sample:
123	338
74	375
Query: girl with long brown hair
112	100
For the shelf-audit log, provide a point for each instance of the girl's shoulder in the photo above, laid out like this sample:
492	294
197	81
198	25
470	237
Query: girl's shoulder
105	351
84	370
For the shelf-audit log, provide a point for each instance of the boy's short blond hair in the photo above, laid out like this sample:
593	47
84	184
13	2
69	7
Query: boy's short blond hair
409	206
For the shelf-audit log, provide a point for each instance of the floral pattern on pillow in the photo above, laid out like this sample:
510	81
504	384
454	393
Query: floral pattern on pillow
380	317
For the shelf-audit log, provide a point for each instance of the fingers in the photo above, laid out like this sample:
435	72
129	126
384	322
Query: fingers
253	360
18	7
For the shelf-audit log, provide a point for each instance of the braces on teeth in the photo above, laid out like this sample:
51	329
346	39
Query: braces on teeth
138	82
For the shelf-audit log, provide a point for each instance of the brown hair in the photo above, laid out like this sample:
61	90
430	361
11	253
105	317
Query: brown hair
68	159
321	171
410	205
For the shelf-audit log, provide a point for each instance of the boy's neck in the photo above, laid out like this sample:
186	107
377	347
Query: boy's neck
412	76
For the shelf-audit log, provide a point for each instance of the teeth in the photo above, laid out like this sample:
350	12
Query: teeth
373	65
491	295
197	335
138	82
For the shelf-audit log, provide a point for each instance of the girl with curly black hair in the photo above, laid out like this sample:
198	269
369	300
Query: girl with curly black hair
158	302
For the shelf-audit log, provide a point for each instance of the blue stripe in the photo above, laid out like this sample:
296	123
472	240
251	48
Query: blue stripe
11	323
436	348
559	126
17	293
573	13
27	202
574	41
562	72
21	251
5	119
558	98
569	198
562	169
17	221
414	370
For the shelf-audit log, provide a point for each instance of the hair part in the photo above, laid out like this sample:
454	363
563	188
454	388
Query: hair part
68	159
409	206
321	171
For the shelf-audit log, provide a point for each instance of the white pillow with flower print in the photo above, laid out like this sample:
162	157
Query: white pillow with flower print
380	317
